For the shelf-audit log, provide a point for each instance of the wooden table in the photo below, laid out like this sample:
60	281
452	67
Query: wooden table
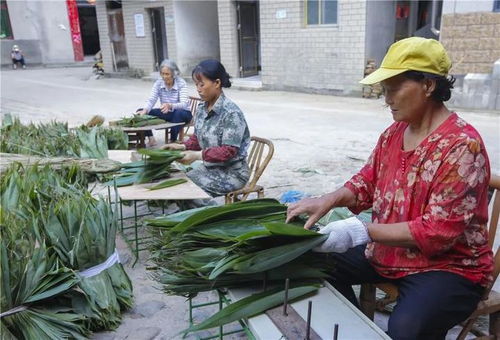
122	156
329	308
140	132
141	192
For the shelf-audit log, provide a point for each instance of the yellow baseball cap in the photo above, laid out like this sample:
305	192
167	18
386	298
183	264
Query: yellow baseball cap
416	54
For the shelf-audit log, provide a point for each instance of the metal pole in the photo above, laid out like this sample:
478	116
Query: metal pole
309	312
336	331
221	330
434	17
287	283
136	233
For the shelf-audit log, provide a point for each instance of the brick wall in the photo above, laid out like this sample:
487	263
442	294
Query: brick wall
139	49
229	55
321	58
102	24
472	41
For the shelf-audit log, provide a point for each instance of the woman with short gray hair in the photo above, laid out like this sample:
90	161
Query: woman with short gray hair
171	89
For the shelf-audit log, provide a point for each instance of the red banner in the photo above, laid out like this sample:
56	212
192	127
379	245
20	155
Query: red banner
74	24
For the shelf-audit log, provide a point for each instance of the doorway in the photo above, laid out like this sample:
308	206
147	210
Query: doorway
248	37
415	18
159	36
116	30
88	27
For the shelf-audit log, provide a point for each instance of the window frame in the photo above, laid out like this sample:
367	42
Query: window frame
320	15
496	5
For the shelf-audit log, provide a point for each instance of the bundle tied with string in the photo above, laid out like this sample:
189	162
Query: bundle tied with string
61	276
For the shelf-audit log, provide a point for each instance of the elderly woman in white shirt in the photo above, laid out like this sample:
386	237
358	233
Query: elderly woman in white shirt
174	100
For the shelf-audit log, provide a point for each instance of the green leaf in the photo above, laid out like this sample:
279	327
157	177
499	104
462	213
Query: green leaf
250	306
168	183
286	229
274	257
176	218
227	212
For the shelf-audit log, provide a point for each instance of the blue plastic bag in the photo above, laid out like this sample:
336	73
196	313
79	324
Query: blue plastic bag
292	196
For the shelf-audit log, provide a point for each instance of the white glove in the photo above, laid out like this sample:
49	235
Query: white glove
343	235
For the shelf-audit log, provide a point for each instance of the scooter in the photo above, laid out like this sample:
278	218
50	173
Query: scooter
98	67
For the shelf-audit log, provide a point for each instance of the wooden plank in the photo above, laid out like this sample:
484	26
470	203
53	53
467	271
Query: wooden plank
90	165
122	156
292	326
184	191
329	308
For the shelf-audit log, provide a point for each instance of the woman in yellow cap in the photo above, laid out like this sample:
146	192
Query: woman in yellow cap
427	183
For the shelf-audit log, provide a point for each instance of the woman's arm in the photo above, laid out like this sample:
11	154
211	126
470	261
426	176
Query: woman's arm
457	202
155	93
319	206
183	96
192	143
219	154
394	234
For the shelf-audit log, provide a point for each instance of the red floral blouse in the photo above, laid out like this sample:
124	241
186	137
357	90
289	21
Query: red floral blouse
440	189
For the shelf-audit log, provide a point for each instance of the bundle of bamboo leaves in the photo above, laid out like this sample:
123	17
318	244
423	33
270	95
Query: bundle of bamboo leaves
156	165
240	245
54	237
139	121
33	278
234	245
56	139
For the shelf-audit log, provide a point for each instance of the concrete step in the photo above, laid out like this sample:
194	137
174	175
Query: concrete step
250	83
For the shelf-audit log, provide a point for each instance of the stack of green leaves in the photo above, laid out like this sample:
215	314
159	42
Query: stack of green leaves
234	245
155	166
56	139
32	278
74	232
139	121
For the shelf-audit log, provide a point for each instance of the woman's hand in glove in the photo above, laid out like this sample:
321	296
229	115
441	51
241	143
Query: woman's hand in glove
343	235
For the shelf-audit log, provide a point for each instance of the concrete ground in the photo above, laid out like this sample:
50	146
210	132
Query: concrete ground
320	141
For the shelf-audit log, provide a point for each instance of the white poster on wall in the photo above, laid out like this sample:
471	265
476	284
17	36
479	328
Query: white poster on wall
139	25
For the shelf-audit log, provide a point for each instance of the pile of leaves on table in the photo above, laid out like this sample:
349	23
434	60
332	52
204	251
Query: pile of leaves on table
52	232
56	139
237	245
138	121
156	165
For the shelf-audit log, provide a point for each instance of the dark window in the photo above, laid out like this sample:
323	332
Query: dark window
5	28
321	12
496	6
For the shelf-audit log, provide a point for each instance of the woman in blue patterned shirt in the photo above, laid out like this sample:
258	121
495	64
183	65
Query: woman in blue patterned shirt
174	100
221	136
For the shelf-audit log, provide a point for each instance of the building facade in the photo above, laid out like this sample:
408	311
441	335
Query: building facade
48	32
470	31
303	45
138	35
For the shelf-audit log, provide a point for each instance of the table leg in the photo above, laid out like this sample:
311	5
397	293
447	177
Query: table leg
136	234
121	214
141	136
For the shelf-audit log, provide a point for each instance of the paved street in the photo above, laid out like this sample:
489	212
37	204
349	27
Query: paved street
320	142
